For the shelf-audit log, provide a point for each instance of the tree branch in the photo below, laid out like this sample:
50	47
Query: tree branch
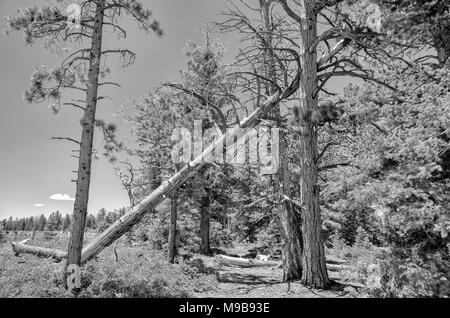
67	139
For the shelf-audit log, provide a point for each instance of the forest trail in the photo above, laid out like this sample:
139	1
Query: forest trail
261	282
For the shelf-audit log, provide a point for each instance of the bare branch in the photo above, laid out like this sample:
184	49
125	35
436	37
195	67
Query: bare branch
203	100
67	139
333	166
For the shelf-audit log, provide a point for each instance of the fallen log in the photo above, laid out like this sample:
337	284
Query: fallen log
244	262
334	260
23	248
337	268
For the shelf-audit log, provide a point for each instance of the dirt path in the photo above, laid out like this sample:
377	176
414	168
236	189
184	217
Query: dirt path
260	282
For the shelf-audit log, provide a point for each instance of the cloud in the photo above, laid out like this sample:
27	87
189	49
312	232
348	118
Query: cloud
38	205
61	197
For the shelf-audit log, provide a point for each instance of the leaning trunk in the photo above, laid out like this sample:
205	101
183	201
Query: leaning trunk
173	229
314	267
148	204
204	226
85	159
167	187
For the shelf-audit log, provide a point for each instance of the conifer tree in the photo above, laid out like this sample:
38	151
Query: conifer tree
84	72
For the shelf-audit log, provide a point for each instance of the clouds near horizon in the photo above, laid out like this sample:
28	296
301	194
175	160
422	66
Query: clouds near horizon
61	197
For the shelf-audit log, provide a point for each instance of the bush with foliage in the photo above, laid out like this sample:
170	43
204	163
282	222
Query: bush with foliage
398	175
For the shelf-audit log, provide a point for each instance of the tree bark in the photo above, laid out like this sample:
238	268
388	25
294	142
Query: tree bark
290	221
173	229
314	266
205	247
85	160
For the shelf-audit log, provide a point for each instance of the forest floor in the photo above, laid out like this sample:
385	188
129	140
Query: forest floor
266	282
263	282
141	271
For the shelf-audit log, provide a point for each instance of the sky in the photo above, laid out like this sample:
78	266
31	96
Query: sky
36	172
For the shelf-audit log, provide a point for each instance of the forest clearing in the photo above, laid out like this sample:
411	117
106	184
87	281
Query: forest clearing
250	149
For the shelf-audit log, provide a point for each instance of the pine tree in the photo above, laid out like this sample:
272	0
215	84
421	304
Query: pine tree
81	71
41	222
2	231
66	223
91	222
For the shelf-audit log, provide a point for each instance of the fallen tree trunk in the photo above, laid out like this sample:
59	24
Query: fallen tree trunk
23	248
122	225
244	262
336	268
334	260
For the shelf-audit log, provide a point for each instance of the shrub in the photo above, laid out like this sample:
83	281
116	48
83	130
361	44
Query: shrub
197	268
49	235
141	234
362	239
220	236
406	274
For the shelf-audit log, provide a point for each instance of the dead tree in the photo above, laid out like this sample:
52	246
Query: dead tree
266	56
128	183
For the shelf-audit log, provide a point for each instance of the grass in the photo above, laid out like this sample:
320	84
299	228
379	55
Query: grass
138	271
363	265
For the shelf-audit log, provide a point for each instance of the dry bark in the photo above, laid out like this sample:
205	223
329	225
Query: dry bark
86	144
173	229
23	248
314	266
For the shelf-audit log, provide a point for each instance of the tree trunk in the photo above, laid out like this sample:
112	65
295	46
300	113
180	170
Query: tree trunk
173	229
243	262
85	160
23	248
314	267
290	222
205	247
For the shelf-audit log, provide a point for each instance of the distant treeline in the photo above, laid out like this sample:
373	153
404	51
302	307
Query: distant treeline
56	221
